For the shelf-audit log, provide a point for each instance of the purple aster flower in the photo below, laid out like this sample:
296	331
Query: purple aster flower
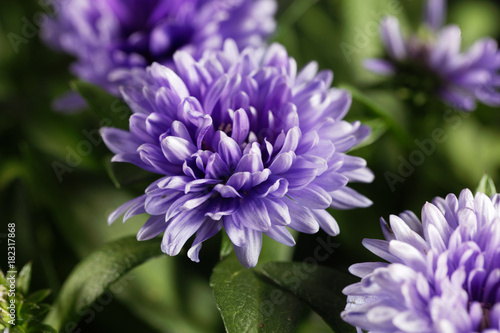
435	63
443	273
243	142
109	36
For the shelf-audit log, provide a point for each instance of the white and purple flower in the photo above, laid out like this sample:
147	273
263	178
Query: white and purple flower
436	64
109	36
243	142
442	275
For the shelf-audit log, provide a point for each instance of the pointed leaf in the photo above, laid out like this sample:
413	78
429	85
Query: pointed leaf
38	296
107	107
248	304
486	186
23	279
319	287
378	126
94	275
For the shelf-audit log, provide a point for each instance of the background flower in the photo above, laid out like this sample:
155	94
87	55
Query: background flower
113	35
242	142
432	61
443	273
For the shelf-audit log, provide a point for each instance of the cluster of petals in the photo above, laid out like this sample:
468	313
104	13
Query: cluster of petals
110	36
461	78
240	140
442	275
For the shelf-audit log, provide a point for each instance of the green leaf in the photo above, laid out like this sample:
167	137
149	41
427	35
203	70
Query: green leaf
41	329
94	275
378	111
248	303
38	296
319	287
23	279
487	186
378	127
112	110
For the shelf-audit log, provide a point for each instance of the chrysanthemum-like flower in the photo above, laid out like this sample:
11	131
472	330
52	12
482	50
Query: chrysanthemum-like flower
242	142
443	274
435	64
108	36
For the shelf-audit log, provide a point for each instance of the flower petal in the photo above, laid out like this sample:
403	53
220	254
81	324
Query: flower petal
154	226
248	254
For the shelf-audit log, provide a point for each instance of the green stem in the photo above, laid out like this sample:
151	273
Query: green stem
369	104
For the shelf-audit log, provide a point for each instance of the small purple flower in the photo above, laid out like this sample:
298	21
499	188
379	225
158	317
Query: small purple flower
243	142
109	36
443	273
436	65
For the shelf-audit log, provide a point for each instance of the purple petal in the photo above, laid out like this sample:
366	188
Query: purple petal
169	78
379	66
227	191
154	226
216	168
229	151
248	254
312	196
278	212
280	234
392	38
159	204
176	149
432	215
381	249
447	46
302	219
326	222
152	156
214	93
363	269
206	231
236	234
180	229
241	126
253	215
282	162
251	162
347	198
119	141
435	13
69	103
195	202
240	181
125	207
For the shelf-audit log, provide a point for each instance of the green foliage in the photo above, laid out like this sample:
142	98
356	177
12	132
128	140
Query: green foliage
248	304
94	275
317	286
22	312
269	298
112	110
486	186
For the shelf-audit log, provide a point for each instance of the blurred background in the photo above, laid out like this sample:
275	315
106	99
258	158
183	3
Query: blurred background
55	182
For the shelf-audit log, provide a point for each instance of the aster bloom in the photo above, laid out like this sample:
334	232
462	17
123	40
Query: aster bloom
443	273
436	65
110	36
241	142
